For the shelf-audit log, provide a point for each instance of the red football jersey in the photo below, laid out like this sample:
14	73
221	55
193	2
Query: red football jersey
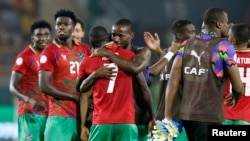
86	49
64	65
242	110
27	63
113	99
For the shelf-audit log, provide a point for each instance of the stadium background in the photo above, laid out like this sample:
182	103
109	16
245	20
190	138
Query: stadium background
16	16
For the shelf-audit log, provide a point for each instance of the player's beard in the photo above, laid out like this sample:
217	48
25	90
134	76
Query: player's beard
63	38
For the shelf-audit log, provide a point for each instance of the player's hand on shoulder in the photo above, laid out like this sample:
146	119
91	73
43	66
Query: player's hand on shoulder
174	47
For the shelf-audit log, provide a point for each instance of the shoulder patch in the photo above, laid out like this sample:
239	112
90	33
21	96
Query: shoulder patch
19	61
43	59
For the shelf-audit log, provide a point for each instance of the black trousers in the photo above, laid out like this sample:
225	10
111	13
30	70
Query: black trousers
197	131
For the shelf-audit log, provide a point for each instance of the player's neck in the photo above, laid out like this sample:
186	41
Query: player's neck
37	49
214	30
241	46
129	47
68	43
177	41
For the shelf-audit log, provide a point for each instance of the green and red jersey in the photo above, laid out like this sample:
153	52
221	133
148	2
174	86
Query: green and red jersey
64	64
27	63
113	99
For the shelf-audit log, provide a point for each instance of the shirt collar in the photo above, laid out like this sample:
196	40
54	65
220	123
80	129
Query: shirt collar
33	49
206	36
60	45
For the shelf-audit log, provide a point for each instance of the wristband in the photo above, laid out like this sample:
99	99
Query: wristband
169	55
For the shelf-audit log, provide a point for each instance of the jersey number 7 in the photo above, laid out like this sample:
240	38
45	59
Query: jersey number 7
112	80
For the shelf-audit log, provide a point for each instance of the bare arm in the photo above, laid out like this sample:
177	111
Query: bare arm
142	58
15	79
83	111
237	85
146	94
147	99
139	63
83	85
156	68
47	88
78	83
84	105
172	87
160	64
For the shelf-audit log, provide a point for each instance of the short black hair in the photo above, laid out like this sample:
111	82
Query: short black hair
179	24
212	15
66	13
40	24
80	22
98	35
124	22
241	32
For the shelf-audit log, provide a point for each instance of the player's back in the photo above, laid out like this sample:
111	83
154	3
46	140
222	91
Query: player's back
202	94
113	99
